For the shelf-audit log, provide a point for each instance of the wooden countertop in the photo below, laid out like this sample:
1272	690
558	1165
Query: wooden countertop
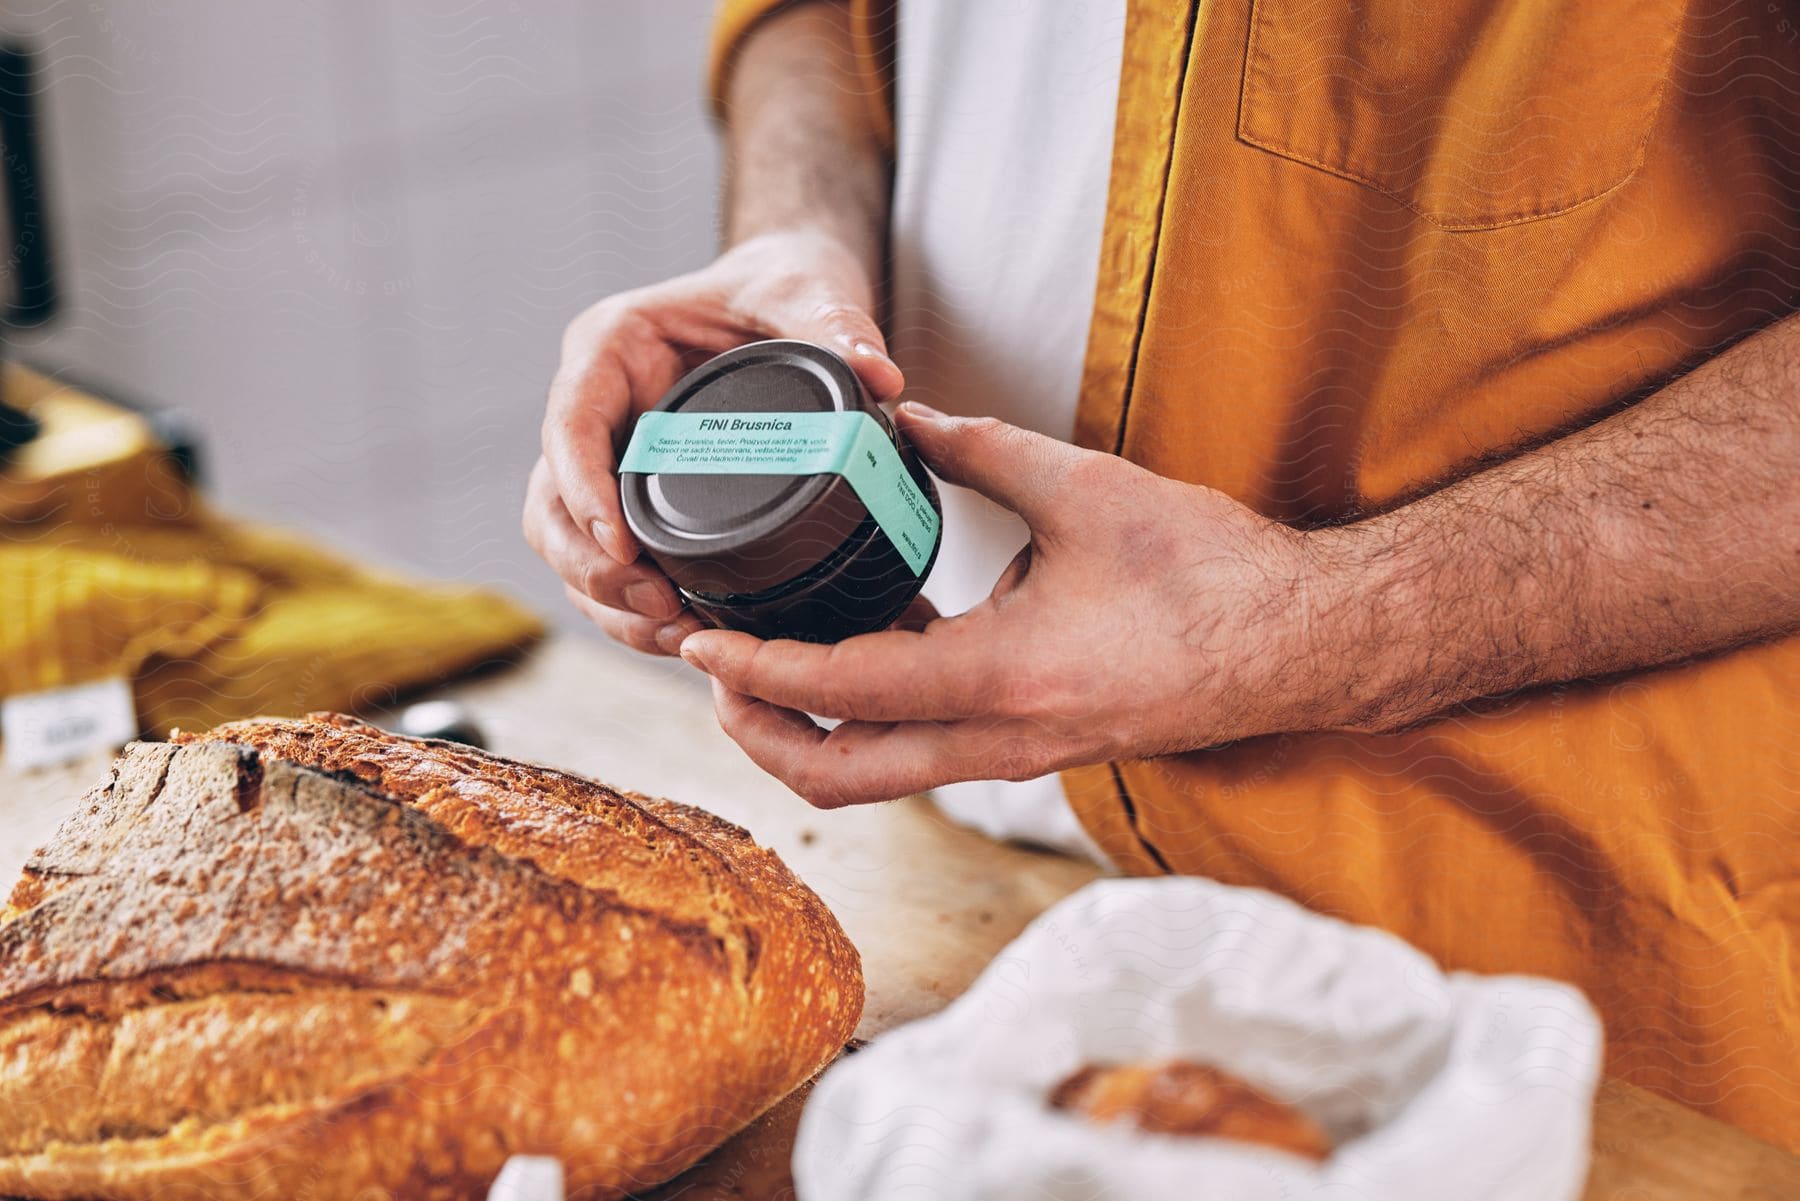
928	903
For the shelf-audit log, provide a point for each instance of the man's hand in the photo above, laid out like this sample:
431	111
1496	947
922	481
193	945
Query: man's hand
621	355
806	214
1145	616
1149	616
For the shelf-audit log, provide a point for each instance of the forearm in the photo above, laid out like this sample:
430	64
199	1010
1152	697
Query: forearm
802	151
1668	530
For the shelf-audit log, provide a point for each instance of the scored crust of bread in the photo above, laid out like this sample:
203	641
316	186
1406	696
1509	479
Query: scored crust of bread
309	959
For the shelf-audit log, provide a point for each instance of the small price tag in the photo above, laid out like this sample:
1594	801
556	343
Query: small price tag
39	729
528	1178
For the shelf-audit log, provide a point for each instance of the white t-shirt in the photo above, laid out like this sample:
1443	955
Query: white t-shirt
1004	119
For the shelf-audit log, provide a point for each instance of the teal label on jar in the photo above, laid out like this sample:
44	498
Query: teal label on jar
852	445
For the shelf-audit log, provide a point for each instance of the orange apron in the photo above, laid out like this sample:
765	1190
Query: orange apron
1355	251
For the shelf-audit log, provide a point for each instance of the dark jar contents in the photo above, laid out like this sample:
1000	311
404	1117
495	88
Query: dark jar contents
778	555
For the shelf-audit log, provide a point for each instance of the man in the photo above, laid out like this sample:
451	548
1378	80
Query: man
1429	545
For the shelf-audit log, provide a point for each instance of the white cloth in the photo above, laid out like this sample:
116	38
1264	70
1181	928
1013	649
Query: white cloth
1004	119
1430	1085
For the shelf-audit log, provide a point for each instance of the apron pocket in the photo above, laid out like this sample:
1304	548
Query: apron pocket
1472	113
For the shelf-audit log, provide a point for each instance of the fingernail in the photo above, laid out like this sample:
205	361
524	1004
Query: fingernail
669	638
650	599
602	534
694	648
922	410
868	348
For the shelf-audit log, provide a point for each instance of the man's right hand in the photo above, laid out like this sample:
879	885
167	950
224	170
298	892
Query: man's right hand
622	354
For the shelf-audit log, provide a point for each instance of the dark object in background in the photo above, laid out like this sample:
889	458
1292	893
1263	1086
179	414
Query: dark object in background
28	290
16	429
779	555
28	261
180	439
25	269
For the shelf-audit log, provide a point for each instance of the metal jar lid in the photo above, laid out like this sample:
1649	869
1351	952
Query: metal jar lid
744	534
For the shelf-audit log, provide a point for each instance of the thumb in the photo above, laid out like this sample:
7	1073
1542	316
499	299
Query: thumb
846	327
917	615
1025	472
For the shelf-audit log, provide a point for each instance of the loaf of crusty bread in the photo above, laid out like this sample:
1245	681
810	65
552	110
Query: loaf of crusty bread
311	960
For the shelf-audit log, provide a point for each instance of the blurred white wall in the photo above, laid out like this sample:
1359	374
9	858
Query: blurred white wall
342	238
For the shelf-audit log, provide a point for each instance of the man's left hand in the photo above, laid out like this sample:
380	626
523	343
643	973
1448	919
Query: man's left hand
1145	616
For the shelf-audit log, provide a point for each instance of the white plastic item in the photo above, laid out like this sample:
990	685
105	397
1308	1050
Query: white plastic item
528	1178
1430	1085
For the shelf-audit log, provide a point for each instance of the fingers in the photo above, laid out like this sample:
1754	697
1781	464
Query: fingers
618	360
586	408
1026	472
878	373
622	355
850	332
853	334
917	615
860	762
651	635
552	533
1014	575
820	314
952	670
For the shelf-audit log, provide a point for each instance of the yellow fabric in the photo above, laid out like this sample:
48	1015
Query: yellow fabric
872	41
111	566
1392	242
1356	250
732	23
